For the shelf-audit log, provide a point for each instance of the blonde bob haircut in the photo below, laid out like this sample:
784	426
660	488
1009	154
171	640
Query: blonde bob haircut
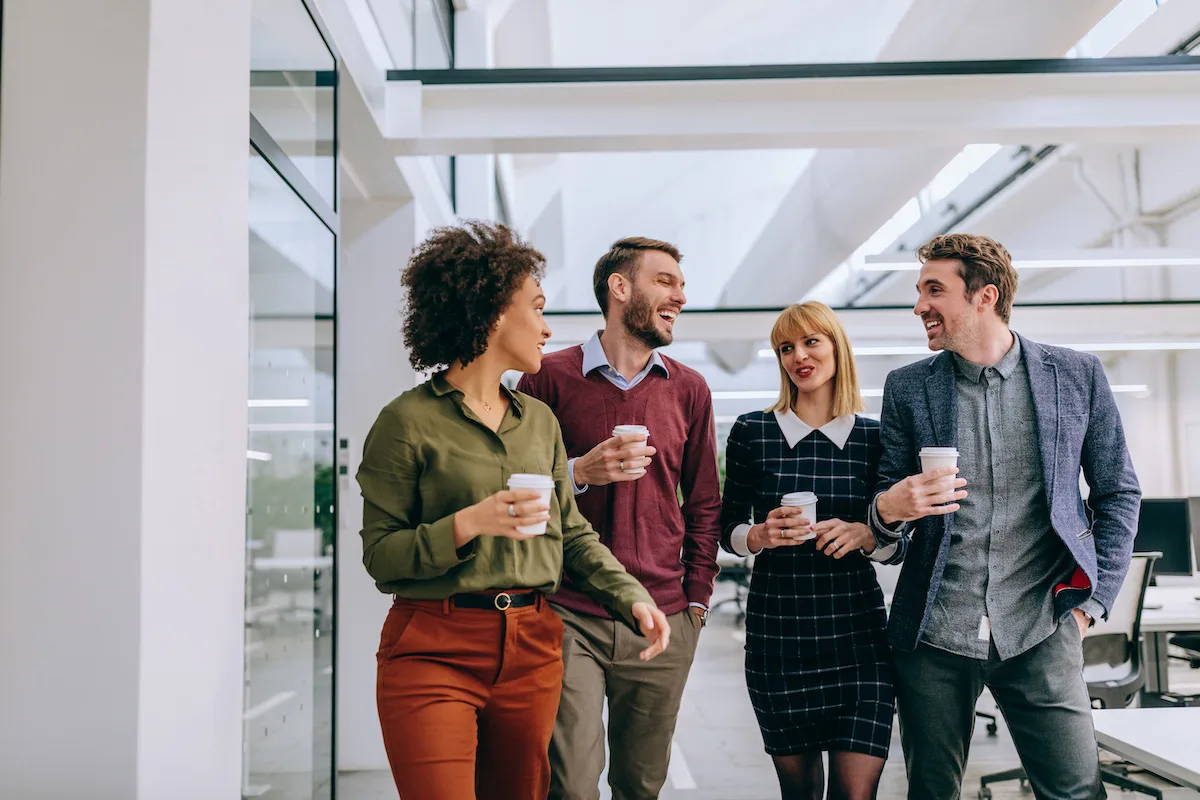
795	324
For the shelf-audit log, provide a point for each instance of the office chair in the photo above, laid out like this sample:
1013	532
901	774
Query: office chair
1112	668
735	570
1190	644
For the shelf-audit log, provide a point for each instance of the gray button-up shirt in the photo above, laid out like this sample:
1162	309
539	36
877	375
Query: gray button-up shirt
1005	558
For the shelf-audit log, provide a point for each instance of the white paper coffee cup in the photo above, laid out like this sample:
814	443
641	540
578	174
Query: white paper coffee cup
807	503
937	457
540	483
634	430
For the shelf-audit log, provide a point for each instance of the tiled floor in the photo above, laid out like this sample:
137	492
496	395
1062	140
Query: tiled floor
719	752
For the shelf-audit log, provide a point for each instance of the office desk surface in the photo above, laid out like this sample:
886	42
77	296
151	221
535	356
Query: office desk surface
1180	609
1161	740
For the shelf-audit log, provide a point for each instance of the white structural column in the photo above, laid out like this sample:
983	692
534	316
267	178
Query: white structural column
474	175
123	350
377	237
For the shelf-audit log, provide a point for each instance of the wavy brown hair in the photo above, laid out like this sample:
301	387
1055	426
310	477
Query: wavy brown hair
459	281
982	261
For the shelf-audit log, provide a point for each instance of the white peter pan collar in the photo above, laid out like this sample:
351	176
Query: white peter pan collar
837	430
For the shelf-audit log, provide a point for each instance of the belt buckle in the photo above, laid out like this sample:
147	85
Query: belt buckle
507	601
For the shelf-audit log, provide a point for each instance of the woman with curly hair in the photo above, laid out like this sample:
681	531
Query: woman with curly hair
470	658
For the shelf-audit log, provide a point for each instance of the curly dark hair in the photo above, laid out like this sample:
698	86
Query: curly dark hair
459	281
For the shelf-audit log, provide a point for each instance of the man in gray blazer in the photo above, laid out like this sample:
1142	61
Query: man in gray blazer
1002	572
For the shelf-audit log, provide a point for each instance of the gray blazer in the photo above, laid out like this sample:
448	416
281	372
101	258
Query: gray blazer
1079	427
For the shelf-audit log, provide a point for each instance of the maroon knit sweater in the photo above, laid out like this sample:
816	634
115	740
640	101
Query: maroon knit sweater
672	550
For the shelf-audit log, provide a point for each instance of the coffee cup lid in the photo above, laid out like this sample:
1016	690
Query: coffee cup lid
939	451
621	430
798	499
524	480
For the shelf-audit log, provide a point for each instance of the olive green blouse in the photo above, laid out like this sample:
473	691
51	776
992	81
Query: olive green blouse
428	456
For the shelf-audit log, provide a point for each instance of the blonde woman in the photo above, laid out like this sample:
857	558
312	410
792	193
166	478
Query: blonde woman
817	662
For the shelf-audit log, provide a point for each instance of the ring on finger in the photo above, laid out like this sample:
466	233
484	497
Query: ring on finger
512	511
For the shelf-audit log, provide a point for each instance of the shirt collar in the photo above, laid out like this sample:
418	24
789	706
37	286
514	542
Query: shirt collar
837	430
441	387
594	357
1006	366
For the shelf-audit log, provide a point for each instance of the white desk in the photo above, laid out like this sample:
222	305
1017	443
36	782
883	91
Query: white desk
1166	610
1161	740
288	563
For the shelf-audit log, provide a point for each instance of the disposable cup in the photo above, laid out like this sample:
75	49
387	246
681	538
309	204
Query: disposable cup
637	430
937	457
807	503
539	483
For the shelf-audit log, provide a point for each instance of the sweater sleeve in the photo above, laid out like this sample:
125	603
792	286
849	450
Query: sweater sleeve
700	485
591	566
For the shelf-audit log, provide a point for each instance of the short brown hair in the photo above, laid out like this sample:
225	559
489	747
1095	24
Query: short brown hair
624	257
459	281
981	260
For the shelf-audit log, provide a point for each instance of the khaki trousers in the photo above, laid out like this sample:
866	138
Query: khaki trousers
600	660
467	699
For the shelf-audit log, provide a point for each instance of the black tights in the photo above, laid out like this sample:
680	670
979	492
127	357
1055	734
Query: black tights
852	776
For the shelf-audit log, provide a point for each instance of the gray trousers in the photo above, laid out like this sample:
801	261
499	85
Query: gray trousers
600	659
1044	701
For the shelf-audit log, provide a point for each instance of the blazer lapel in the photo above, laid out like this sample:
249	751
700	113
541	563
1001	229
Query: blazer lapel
1043	383
939	393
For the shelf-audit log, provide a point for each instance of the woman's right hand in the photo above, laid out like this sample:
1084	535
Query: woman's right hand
491	517
784	528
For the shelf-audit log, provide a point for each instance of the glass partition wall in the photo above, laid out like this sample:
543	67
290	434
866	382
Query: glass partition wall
288	734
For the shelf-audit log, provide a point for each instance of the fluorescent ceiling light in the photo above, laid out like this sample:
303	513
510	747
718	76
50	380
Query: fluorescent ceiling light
298	402
258	455
1088	257
900	350
1118	388
1100	347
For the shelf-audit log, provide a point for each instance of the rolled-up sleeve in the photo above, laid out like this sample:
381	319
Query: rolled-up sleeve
395	546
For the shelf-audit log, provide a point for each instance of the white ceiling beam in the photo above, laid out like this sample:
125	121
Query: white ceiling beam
1152	322
793	113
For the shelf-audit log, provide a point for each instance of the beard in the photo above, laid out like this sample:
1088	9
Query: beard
640	321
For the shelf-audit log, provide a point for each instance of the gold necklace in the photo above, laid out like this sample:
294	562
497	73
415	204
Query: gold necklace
486	405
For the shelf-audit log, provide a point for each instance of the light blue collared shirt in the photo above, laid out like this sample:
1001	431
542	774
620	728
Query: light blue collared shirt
595	359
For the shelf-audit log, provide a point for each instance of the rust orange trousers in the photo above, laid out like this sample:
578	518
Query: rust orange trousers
467	699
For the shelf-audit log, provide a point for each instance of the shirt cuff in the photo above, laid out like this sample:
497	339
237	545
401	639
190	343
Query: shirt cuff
698	605
1093	609
881	528
884	552
571	474
737	540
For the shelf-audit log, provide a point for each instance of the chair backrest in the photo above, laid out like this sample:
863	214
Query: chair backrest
1125	616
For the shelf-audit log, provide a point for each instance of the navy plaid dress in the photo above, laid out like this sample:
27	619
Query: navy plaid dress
818	665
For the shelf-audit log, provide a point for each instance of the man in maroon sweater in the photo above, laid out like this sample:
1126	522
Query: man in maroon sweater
629	490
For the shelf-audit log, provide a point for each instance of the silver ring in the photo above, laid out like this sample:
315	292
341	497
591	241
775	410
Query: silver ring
622	464
512	512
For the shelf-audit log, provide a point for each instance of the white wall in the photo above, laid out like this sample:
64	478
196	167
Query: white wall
123	346
377	238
